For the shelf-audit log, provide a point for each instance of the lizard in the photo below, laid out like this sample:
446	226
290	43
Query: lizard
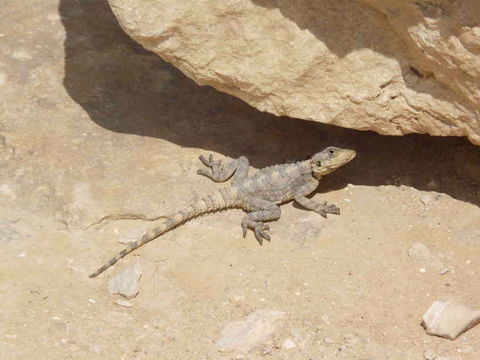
259	195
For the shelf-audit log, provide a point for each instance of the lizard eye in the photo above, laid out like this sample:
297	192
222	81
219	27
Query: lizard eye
331	151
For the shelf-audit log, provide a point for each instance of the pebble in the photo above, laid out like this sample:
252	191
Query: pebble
328	340
449	319
245	334
125	282
123	303
429	354
288	344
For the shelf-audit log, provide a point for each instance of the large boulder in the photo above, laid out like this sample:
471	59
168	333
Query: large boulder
391	66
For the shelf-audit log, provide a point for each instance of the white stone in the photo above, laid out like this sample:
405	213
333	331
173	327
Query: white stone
125	282
245	334
449	319
328	340
123	303
288	344
429	354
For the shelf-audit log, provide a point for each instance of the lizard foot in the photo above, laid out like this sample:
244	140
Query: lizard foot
260	230
325	209
217	171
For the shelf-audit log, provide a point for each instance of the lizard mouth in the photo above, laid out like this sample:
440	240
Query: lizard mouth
323	167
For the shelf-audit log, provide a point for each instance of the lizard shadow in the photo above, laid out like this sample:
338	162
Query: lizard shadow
127	89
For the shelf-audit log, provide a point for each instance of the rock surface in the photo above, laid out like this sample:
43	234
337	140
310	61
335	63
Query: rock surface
449	319
394	67
423	256
244	335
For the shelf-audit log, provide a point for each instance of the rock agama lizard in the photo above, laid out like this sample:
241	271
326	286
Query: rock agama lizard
259	194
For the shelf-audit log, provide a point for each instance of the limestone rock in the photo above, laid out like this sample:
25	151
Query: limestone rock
394	67
125	282
449	319
244	335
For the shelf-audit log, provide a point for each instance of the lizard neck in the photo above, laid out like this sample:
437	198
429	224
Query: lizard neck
305	168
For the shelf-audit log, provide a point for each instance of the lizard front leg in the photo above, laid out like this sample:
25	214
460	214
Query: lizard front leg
260	211
219	171
323	208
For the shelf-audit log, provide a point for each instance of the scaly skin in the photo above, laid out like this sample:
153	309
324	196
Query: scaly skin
259	195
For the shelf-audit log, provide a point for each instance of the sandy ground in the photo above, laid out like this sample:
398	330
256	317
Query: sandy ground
92	127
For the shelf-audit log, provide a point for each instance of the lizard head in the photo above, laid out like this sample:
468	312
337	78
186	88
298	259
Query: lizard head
329	160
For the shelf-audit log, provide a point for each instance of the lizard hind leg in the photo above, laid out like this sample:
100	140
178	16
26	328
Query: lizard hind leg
261	211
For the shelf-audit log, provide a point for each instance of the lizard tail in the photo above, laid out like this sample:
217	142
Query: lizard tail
223	199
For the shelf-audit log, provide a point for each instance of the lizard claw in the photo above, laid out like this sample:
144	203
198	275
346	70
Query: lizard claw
203	160
203	172
266	235
261	232
322	212
244	229
332	209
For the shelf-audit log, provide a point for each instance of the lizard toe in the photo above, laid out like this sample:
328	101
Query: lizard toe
244	230
332	209
266	235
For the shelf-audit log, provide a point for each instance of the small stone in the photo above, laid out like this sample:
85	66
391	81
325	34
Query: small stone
288	344
326	319
91	301
429	354
449	320
443	271
245	334
123	303
328	340
125	282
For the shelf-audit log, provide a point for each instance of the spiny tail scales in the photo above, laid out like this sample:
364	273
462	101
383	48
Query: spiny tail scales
223	199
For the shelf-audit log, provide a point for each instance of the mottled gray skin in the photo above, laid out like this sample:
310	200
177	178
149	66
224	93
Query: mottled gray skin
259	195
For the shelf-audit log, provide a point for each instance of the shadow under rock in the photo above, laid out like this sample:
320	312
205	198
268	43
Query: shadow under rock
127	89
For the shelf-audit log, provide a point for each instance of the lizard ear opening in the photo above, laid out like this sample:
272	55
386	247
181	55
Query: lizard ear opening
319	164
